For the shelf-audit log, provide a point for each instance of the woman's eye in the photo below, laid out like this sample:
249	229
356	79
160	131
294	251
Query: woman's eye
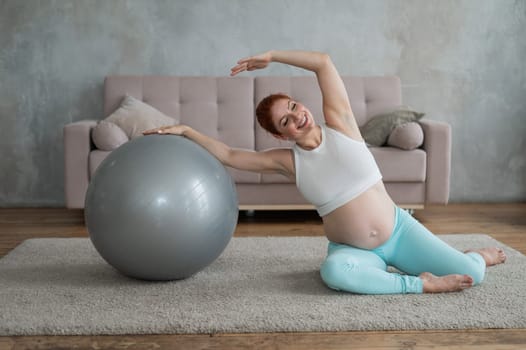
293	106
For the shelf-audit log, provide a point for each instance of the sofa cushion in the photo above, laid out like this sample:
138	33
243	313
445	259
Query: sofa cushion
377	130
108	136
406	136
398	165
134	116
275	179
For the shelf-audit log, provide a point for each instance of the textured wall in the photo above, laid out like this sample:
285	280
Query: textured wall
460	61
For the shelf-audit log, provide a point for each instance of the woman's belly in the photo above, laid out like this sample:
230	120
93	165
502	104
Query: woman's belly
365	222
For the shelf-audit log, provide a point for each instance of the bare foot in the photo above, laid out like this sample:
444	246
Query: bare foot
491	255
448	283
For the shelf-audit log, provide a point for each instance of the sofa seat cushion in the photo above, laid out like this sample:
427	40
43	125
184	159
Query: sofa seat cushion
275	179
95	158
398	165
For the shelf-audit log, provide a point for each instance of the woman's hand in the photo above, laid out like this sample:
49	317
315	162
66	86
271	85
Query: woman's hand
167	130
252	63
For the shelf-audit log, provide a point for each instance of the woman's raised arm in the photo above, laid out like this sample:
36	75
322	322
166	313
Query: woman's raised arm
336	105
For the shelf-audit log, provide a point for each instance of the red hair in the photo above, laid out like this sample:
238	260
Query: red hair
263	114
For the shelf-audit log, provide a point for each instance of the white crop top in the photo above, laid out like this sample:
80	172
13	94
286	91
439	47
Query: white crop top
335	172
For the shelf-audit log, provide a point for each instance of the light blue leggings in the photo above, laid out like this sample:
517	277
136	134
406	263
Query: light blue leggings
412	248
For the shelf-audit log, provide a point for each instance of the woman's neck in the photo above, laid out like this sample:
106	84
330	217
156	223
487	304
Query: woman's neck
311	140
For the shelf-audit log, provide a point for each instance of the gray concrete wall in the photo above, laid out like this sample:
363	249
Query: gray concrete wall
460	61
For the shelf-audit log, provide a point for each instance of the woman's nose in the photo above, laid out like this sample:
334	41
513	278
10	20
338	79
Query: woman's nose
297	115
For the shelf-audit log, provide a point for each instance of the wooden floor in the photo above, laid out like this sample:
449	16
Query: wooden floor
504	222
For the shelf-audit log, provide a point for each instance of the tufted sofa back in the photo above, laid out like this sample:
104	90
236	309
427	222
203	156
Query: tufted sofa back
223	107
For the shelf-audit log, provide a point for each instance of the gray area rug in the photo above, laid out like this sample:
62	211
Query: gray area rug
63	287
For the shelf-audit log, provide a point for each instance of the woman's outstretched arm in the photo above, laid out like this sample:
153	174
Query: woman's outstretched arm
271	161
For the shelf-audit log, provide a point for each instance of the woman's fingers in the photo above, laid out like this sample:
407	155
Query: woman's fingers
148	132
160	130
235	70
152	131
238	69
250	63
246	67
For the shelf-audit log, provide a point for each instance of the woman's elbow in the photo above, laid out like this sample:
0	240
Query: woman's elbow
325	57
325	60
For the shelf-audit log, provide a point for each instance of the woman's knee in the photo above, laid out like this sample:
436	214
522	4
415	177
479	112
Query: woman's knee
334	270
349	269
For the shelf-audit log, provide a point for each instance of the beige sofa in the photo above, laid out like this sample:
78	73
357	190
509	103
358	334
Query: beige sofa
223	107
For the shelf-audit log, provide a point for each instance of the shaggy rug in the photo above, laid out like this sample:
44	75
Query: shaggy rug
269	284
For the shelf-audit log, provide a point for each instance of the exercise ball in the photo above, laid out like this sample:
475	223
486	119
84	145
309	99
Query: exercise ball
160	207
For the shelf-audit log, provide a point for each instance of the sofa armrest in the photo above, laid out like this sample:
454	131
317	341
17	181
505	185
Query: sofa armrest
437	144
77	147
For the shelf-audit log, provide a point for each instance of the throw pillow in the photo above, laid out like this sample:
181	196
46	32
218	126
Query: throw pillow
406	136
108	136
376	131
135	116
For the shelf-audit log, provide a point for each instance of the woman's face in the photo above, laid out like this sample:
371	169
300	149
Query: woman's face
291	118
